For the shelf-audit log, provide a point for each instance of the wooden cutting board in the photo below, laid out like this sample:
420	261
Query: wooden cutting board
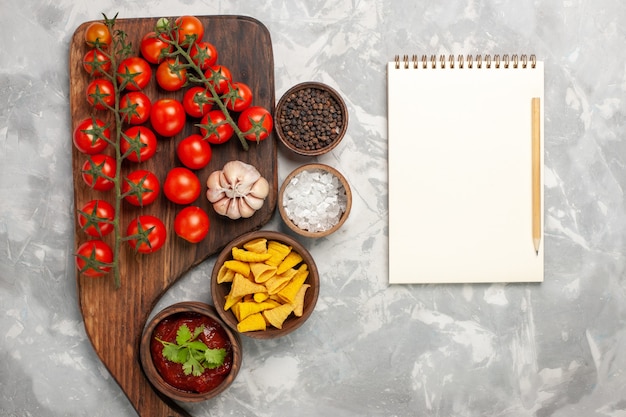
114	318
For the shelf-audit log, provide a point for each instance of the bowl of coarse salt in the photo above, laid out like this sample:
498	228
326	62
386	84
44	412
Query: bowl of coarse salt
314	200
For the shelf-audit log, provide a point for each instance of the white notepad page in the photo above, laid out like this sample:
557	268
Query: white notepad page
460	174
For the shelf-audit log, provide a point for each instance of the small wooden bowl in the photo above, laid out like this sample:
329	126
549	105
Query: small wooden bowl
291	224
282	118
153	375
219	291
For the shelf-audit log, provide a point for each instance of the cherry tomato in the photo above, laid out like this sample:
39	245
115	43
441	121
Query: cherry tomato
194	152
181	186
94	258
148	234
153	48
135	107
192	224
134	73
91	136
214	127
98	171
170	75
203	54
140	188
219	76
96	63
167	117
197	101
190	30
256	123
238	97
98	34
96	218
101	94
141	142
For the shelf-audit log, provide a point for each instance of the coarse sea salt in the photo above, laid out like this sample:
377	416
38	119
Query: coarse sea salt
314	200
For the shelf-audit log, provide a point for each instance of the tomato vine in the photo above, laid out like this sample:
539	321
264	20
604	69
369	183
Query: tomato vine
109	60
167	32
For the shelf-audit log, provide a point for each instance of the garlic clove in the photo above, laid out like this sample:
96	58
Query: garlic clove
233	209
237	172
245	209
223	181
215	191
214	180
221	206
214	195
261	188
253	202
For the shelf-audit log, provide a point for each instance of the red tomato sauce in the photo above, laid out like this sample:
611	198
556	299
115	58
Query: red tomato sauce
213	336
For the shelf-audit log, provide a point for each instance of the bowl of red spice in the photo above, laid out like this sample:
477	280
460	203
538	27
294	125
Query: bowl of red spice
188	354
314	200
311	118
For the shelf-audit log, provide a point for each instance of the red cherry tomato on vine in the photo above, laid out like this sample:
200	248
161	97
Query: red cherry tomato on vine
148	234
98	171
97	33
96	63
238	97
170	75
192	224
134	73
181	186
219	76
194	152
94	258
203	54
153	48
96	218
190	29
214	127
100	94
167	117
91	136
141	142
140	187
135	107
256	123
197	101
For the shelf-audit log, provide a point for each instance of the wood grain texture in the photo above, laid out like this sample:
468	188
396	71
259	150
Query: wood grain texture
114	319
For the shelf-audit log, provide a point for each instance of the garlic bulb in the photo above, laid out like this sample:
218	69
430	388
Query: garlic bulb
238	190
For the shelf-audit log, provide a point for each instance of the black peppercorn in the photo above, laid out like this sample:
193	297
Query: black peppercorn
311	119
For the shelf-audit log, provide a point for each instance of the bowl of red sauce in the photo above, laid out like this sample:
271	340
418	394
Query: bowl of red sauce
188	353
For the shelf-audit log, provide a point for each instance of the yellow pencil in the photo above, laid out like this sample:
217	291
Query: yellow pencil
536	172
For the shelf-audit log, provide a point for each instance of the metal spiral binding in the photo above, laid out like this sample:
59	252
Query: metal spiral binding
486	61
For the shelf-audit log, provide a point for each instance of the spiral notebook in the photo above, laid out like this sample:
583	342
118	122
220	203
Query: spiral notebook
465	169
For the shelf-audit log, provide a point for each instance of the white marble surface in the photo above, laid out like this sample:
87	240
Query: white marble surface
554	349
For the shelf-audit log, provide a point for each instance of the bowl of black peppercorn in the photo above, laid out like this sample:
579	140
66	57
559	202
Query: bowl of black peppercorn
311	118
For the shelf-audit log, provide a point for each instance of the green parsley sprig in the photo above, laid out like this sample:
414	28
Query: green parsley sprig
192	353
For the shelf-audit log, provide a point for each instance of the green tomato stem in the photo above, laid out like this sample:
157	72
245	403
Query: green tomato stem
119	37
